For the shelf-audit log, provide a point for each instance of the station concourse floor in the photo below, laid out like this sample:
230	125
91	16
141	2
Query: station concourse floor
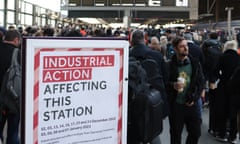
205	137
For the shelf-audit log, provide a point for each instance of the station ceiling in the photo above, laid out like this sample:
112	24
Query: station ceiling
141	11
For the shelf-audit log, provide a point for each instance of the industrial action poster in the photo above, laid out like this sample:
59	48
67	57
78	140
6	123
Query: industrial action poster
77	91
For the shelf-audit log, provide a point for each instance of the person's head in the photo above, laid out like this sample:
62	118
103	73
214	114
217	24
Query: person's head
2	33
48	31
163	44
181	47
137	37
13	37
213	35
109	32
154	43
188	36
116	33
73	33
231	45
11	27
168	32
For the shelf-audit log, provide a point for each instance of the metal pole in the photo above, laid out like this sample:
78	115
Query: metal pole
229	9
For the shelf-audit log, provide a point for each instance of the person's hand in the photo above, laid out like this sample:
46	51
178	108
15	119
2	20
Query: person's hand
189	104
203	93
212	86
178	86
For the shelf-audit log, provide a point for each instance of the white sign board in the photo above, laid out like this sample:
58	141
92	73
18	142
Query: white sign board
75	91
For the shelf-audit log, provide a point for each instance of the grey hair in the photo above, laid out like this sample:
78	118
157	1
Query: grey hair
233	45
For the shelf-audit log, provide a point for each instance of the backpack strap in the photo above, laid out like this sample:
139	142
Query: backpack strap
234	73
15	56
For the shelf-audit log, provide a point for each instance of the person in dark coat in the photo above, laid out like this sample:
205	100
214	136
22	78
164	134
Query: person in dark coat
208	43
235	96
210	61
184	95
140	50
228	62
12	40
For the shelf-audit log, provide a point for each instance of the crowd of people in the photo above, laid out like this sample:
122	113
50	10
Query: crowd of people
205	63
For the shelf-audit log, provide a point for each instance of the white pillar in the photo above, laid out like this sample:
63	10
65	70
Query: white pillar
229	19
127	18
193	13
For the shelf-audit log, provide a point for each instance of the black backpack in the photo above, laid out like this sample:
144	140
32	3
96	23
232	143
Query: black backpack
11	85
212	54
145	103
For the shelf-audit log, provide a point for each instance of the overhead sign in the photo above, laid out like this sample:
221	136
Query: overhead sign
75	91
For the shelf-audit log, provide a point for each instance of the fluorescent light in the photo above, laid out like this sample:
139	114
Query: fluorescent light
135	24
173	25
90	20
117	25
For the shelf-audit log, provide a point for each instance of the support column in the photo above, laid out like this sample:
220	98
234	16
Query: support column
127	18
34	16
5	14
229	20
17	13
193	13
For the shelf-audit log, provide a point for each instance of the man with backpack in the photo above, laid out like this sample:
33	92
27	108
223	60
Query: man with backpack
141	52
11	41
212	51
184	88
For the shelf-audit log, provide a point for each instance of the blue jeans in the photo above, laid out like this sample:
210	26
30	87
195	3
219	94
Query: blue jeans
12	128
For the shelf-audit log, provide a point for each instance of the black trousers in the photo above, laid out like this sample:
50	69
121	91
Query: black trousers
212	110
234	109
181	115
222	110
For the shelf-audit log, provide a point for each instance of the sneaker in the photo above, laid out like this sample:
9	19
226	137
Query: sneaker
211	132
234	141
221	139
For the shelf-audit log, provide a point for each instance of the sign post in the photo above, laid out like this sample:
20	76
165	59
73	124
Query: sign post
75	91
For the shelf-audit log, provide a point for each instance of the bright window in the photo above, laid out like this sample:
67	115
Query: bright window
28	20
22	19
1	18
10	17
10	4
1	4
29	8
